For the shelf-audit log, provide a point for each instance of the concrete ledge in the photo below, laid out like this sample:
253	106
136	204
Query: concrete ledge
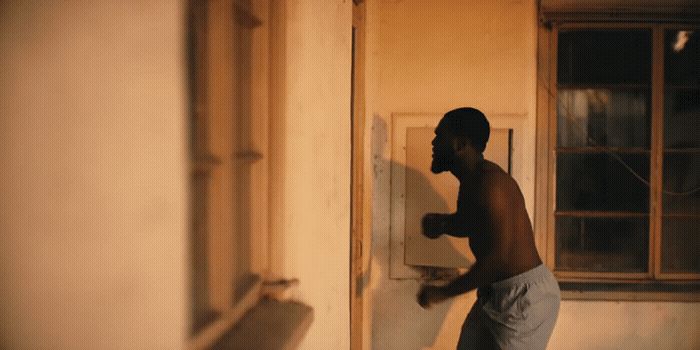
270	325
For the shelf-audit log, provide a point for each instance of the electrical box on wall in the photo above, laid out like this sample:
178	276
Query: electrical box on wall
415	191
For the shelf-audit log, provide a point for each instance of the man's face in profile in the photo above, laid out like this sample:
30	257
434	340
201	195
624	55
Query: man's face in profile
443	153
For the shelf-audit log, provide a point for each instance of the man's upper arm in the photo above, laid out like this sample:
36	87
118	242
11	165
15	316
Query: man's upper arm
460	225
457	226
499	203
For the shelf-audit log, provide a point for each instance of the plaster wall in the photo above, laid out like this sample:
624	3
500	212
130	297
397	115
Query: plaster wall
311	154
627	325
93	215
430	58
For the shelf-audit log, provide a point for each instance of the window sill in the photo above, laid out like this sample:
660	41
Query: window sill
620	291
269	325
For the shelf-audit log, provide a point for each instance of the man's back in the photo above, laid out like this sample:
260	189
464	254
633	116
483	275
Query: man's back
493	202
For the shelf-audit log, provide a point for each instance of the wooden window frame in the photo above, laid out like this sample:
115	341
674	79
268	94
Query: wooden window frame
218	148
547	93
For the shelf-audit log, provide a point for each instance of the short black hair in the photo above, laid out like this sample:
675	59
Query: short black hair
469	123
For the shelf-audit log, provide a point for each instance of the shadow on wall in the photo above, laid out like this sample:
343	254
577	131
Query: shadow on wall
399	322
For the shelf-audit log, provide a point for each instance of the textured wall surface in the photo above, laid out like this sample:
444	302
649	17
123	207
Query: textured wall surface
93	215
311	167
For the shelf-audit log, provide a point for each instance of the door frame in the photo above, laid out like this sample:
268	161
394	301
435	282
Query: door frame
360	213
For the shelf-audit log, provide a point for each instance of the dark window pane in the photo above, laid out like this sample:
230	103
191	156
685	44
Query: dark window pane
603	117
604	57
682	58
602	244
680	245
681	176
599	182
682	118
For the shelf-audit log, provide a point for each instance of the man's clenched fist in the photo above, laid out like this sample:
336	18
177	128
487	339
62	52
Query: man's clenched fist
435	224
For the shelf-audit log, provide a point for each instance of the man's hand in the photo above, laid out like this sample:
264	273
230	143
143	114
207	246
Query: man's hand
435	225
429	295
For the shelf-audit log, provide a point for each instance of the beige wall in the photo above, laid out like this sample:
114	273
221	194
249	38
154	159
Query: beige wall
627	325
93	182
429	58
311	163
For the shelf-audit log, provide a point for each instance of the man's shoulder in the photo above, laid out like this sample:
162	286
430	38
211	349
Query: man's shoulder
495	178
498	187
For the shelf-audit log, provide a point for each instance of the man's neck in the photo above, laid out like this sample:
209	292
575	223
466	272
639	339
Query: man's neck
466	171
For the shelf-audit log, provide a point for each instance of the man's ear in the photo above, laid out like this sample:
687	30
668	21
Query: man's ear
459	144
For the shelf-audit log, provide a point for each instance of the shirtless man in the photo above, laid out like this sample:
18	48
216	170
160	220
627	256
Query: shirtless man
517	296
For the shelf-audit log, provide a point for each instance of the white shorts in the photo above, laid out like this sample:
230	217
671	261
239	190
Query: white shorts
516	313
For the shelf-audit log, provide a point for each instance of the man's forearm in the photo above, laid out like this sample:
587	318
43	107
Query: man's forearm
454	228
481	274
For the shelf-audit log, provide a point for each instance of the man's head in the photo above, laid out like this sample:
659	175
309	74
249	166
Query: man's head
462	132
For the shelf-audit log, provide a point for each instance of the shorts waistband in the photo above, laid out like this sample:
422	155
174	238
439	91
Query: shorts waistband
532	275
